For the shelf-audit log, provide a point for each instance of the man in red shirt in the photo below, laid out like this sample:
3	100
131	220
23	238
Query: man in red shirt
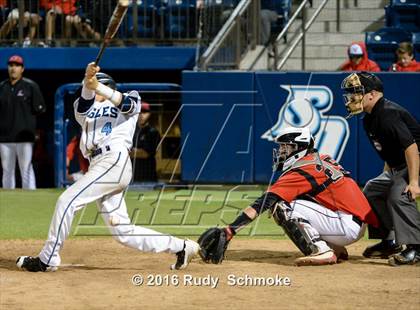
358	59
65	11
315	201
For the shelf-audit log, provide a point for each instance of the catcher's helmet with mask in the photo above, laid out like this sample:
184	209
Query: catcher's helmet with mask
294	143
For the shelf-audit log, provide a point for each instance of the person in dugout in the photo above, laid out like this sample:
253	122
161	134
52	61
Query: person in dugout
145	142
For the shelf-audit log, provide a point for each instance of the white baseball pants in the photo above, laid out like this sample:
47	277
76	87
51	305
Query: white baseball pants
335	227
23	152
105	181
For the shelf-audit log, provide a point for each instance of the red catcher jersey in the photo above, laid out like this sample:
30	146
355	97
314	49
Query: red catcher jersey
341	193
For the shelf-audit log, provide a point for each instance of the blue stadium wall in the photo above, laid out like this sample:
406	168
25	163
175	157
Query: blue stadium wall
229	118
114	58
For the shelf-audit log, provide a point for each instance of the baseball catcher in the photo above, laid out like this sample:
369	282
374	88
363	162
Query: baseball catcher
314	200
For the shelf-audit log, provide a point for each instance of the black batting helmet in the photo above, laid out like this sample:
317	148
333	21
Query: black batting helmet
106	80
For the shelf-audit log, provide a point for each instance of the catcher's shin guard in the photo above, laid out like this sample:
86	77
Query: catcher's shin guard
294	229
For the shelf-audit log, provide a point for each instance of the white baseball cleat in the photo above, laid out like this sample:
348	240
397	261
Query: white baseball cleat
184	257
326	258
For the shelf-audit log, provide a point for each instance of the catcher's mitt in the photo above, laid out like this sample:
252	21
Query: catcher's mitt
213	242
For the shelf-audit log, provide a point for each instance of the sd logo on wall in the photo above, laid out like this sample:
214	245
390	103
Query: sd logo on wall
308	106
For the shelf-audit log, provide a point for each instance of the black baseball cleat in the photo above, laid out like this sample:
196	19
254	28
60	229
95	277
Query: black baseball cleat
410	256
383	249
184	257
33	264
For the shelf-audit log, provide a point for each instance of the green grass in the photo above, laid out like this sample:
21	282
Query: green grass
27	214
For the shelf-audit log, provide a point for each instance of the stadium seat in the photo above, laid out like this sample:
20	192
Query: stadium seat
404	14
180	19
382	44
215	15
398	2
416	45
147	18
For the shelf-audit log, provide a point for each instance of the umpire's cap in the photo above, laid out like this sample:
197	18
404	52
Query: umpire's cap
106	80
370	82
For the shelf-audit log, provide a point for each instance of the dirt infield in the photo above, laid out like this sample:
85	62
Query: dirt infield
98	275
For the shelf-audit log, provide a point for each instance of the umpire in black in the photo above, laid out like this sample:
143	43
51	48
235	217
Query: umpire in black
395	134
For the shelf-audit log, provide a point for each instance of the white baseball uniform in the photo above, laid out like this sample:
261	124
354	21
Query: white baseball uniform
326	226
107	134
23	152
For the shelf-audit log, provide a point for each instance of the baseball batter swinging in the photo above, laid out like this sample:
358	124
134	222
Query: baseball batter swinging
108	120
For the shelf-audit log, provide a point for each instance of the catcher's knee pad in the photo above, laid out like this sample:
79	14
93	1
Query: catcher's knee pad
294	229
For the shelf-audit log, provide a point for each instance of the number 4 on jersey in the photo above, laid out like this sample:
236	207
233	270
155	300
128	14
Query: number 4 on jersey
107	128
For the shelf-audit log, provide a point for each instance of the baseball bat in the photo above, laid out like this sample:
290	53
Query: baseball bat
113	25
